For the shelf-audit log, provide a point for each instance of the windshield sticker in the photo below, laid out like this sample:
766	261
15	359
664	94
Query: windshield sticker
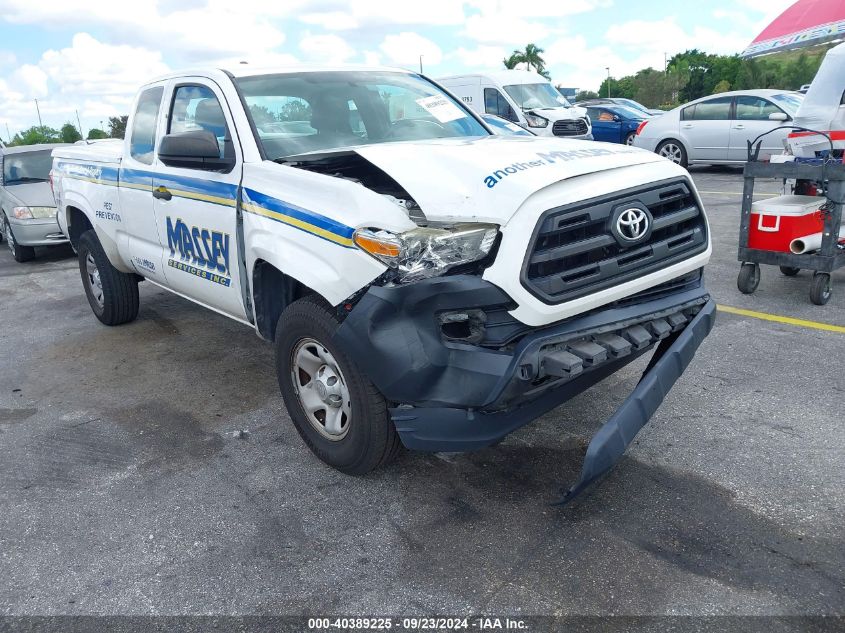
549	158
441	108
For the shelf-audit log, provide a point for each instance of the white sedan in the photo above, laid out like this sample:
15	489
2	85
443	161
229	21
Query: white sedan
716	129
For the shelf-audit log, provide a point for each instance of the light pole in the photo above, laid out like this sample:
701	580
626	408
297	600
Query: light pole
607	68
421	72
38	110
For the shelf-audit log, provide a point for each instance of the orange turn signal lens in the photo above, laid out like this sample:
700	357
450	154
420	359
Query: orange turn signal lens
375	245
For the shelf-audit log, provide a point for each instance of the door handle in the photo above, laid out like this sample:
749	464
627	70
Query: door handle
739	127
162	193
687	126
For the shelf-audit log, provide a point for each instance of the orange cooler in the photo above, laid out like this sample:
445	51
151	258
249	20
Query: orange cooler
777	221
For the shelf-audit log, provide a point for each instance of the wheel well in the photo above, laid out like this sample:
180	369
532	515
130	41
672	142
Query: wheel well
272	292
672	139
77	224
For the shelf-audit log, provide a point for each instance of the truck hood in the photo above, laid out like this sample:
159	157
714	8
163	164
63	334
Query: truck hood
487	179
32	194
559	114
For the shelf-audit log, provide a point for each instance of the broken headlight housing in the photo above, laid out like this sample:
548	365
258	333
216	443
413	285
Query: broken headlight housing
427	251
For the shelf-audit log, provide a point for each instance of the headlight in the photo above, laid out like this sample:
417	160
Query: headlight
428	252
536	121
29	213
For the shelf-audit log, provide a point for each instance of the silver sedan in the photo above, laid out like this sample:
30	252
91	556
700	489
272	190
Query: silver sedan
27	207
717	129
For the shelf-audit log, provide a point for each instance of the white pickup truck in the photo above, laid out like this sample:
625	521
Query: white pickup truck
424	281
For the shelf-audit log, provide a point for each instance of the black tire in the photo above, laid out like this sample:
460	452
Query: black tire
748	279
629	140
370	440
820	289
680	157
789	271
119	290
20	253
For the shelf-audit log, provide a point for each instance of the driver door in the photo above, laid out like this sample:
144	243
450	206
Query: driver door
196	207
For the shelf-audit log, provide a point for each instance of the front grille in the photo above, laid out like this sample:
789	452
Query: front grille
570	127
573	252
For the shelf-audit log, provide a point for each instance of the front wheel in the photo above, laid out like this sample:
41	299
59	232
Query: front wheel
339	413
19	252
820	289
112	295
748	279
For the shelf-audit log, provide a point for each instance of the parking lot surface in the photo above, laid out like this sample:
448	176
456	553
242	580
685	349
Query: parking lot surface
126	486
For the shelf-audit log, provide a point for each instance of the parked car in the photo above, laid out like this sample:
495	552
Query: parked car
630	103
716	129
615	123
27	208
503	127
386	263
522	97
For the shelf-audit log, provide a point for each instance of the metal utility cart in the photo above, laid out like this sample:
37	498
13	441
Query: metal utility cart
830	177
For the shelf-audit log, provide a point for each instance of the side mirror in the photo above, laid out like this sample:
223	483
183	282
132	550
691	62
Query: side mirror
616	118
197	149
778	116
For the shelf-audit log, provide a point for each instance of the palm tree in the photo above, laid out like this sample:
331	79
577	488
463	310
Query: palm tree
514	60
532	57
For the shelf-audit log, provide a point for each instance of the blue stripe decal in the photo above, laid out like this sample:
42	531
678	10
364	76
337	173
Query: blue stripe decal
285	208
135	176
197	185
88	171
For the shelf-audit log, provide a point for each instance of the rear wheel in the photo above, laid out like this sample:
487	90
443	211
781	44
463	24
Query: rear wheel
112	295
629	140
19	252
339	413
674	151
789	271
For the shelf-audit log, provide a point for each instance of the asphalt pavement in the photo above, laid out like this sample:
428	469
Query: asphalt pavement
127	486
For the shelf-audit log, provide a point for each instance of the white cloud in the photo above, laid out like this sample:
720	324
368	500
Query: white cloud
351	14
481	56
30	80
404	49
328	48
501	28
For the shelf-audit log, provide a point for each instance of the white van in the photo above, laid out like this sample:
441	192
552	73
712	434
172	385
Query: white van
522	97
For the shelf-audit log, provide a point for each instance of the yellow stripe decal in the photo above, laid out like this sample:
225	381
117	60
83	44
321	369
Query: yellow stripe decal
765	316
305	226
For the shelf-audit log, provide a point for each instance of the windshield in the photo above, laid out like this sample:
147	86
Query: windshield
789	101
633	104
27	167
536	96
629	113
298	113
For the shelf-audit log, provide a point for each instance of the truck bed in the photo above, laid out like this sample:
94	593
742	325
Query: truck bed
106	151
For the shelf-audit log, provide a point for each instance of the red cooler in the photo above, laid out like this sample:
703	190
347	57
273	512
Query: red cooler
775	222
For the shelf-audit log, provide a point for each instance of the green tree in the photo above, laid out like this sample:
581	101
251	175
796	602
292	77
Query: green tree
722	86
514	60
117	126
96	133
584	95
69	133
35	135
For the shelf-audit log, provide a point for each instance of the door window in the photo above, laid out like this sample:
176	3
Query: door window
712	110
495	103
197	108
142	140
754	108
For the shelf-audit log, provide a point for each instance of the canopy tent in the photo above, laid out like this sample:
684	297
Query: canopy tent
805	23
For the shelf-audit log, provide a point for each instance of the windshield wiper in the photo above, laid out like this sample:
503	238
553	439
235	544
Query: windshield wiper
25	179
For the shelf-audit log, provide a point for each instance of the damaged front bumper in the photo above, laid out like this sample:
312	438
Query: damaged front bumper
463	390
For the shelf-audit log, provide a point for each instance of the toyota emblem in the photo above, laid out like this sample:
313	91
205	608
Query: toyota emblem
632	224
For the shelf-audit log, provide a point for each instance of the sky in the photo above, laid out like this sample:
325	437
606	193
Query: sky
90	56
